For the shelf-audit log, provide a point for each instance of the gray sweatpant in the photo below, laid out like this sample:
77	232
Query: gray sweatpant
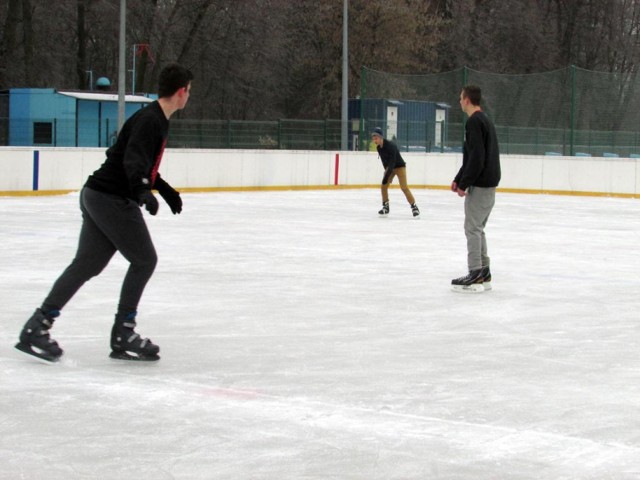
110	223
478	204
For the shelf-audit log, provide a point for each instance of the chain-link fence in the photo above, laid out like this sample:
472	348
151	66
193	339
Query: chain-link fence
569	111
280	134
241	134
566	112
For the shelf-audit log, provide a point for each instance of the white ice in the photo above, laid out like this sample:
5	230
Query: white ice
303	337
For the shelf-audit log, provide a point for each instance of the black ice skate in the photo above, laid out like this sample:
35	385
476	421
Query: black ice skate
415	210
470	283
35	339
486	278
126	344
385	209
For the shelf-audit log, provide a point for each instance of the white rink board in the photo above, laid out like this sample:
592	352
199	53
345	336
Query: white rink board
66	169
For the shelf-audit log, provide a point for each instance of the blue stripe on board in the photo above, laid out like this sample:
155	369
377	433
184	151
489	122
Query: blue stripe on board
36	169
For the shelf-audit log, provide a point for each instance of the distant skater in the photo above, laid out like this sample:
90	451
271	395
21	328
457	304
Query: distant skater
112	222
394	166
476	182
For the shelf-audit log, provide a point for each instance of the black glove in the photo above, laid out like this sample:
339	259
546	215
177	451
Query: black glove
147	199
170	195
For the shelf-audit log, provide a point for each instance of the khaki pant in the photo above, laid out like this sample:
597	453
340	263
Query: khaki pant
401	173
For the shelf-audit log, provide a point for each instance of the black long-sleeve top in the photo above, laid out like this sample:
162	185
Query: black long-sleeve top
132	162
480	154
390	158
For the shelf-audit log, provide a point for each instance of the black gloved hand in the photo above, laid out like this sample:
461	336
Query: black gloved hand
147	199
170	195
386	176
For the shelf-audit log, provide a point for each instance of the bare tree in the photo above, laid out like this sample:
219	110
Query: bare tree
9	42
82	44
268	59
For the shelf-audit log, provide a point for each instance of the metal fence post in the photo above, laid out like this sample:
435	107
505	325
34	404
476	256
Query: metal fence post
326	137
572	113
427	145
363	92
465	79
407	133
507	135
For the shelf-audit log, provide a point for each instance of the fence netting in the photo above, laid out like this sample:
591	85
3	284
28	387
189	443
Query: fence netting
570	111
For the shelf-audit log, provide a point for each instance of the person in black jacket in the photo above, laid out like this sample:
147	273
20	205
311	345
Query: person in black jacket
394	166
112	222
476	182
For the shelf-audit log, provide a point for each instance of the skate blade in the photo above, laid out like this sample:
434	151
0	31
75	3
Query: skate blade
487	286
474	288
38	355
133	357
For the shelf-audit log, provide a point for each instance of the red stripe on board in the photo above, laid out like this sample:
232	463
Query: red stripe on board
335	178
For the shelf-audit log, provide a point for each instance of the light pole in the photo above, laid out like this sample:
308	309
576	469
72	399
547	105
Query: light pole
121	64
138	49
344	137
90	73
133	71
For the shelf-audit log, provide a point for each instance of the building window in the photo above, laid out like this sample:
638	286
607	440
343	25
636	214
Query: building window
42	133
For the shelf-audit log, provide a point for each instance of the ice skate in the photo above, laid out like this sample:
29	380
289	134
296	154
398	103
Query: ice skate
470	283
486	278
35	339
126	344
384	210
415	210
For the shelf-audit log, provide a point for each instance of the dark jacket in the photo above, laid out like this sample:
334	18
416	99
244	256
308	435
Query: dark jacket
480	154
132	162
390	157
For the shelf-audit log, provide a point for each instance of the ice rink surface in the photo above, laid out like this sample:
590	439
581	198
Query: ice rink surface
302	337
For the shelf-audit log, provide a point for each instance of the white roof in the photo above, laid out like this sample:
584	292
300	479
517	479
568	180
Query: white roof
106	97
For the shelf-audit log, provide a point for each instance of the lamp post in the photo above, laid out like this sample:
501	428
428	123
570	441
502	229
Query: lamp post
121	64
133	70
90	73
136	51
344	137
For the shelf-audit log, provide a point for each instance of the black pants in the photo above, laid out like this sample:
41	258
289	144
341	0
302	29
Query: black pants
110	223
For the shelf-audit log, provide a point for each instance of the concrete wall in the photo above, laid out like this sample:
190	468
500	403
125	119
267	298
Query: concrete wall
55	170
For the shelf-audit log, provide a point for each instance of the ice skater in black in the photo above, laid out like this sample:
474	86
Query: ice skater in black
476	182
394	166
112	222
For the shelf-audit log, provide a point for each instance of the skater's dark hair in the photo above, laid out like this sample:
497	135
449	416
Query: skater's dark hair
173	77
473	93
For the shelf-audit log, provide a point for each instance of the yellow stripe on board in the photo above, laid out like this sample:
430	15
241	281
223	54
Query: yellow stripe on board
40	193
35	193
569	193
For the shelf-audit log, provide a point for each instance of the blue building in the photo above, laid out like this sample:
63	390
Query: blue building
414	125
47	117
